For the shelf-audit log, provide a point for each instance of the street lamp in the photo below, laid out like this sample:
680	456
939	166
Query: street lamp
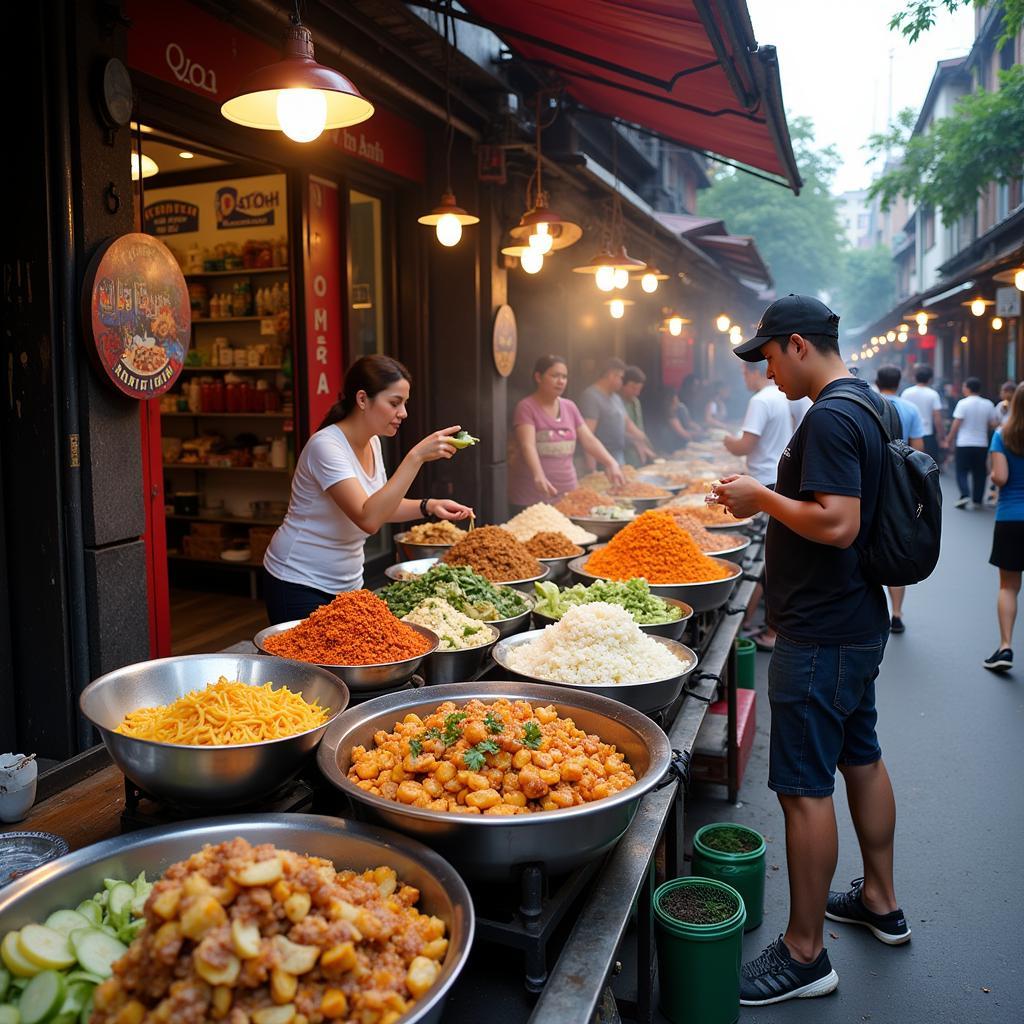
722	322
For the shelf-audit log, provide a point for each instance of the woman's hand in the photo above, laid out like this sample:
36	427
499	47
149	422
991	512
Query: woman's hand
435	446
442	508
544	485
614	473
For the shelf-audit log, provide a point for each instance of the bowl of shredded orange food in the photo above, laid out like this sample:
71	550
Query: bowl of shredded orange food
207	730
656	548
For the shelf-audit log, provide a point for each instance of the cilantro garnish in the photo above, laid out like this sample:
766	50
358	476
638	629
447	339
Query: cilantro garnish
493	722
452	733
532	735
431	734
415	747
476	757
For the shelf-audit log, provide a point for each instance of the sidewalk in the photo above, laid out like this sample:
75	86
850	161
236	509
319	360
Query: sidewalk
952	735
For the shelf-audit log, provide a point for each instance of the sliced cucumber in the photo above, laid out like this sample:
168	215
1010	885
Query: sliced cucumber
130	930
45	948
119	904
66	921
83	1017
76	996
97	952
43	997
10	1015
5	983
79	975
91	911
13	958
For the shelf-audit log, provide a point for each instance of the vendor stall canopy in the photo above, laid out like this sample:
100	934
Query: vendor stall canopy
688	70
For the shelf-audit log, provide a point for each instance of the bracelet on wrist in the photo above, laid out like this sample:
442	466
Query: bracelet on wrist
424	510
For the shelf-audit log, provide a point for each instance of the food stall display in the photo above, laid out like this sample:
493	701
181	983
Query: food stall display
496	554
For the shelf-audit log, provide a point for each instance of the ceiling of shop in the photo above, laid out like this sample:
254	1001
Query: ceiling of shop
166	155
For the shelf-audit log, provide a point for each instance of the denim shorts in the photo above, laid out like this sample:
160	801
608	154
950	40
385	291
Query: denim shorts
822	698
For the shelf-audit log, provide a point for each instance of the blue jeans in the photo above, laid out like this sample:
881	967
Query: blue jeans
287	602
822	698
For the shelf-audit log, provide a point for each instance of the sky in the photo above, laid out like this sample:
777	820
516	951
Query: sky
834	58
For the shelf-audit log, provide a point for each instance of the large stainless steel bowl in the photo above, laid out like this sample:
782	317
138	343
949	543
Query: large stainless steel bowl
364	678
730	525
599	526
455	666
412	551
649	696
701	597
348	844
491	847
670	630
195	776
558	568
418	566
733	554
657	480
642	504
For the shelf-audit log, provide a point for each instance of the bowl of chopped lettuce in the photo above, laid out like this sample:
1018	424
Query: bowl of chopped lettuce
657	616
466	591
464	642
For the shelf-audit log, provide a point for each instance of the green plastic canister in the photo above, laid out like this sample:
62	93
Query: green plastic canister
746	654
699	964
743	871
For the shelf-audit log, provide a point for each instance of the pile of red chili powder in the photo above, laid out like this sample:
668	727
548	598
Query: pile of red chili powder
356	628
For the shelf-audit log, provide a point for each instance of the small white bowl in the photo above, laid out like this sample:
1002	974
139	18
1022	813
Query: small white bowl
17	787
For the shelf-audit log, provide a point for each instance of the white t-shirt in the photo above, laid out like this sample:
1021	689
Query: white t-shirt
798	408
977	415
317	545
926	400
769	417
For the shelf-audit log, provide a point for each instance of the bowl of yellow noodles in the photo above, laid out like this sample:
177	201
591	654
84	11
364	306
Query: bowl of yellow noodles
213	730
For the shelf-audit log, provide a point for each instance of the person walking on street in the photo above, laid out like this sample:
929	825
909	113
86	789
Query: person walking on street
1005	398
605	414
887	380
832	627
972	418
929	404
633	381
1008	533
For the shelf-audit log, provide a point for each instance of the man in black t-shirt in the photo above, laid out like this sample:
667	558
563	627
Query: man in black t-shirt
832	625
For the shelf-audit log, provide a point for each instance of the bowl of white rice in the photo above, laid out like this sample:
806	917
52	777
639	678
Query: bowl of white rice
541	518
599	648
463	642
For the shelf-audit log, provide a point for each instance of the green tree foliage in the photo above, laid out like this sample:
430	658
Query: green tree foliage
919	16
947	167
798	236
867	285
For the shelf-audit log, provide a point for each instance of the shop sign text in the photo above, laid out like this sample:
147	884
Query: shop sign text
171	217
186	70
249	210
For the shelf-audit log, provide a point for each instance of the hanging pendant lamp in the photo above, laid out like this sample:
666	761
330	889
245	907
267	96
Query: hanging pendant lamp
650	277
296	95
1014	276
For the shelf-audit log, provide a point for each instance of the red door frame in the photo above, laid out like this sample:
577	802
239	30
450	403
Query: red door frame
155	537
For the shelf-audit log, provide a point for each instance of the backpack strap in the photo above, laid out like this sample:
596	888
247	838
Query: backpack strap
891	430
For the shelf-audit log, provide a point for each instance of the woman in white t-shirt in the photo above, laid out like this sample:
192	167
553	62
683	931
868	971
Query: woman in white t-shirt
341	493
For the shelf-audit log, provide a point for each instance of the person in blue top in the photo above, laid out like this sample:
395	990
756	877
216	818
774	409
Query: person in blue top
887	381
1007	452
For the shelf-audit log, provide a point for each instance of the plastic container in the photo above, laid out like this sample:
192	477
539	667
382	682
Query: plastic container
746	660
745	872
699	964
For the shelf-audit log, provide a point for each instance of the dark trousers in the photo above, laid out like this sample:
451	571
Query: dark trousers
971	462
931	446
287	602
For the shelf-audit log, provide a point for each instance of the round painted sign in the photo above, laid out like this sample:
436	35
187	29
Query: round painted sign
137	306
504	340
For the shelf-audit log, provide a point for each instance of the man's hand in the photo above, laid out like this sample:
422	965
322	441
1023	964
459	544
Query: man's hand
741	495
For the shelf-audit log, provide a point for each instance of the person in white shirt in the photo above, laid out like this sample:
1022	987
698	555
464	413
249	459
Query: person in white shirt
341	493
972	418
766	430
928	403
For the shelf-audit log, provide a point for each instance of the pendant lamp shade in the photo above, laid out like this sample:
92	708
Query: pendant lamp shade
448	208
617	259
563	232
297	95
1014	276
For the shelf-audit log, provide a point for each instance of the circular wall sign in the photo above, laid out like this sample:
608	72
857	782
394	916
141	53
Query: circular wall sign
504	340
138	311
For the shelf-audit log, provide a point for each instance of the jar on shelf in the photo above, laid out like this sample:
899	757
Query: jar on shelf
233	397
199	299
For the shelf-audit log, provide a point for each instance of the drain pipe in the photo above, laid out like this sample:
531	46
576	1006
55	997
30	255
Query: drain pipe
65	315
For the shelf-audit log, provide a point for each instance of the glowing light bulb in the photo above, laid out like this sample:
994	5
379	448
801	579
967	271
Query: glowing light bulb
922	328
978	307
605	278
675	326
1018	280
963	339
890	336
997	323
902	337
620	277
649	283
723	323
922	319
541	239
301	113
735	334
617	308
148	165
448	229
854	357
531	260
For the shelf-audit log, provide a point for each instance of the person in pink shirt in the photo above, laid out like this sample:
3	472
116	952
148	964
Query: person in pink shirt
546	427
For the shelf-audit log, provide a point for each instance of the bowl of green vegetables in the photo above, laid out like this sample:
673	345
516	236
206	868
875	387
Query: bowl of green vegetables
658	616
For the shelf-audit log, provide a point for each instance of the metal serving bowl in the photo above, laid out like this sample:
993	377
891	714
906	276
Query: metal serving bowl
200	776
348	844
514	623
642	504
649	696
670	630
661	481
701	597
600	527
733	554
730	525
490	847
455	666
417	567
413	551
363	678
558	568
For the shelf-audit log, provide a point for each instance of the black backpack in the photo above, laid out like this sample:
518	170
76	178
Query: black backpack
903	543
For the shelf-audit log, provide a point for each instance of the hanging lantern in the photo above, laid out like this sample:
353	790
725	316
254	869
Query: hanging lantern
650	277
673	324
997	323
978	305
148	165
606	263
530	259
722	322
617	307
1014	276
296	95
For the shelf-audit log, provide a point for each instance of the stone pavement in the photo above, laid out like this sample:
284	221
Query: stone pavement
952	735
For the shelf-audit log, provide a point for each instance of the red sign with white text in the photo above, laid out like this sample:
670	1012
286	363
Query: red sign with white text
324	357
179	43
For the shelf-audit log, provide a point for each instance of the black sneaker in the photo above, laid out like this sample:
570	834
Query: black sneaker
848	907
775	976
896	626
1000	661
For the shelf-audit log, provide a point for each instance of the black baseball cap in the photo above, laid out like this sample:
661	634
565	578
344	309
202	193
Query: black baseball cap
792	314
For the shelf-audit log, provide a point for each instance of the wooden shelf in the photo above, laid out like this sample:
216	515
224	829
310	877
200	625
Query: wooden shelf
203	467
235	520
244	272
214	561
232	415
231	319
232	369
